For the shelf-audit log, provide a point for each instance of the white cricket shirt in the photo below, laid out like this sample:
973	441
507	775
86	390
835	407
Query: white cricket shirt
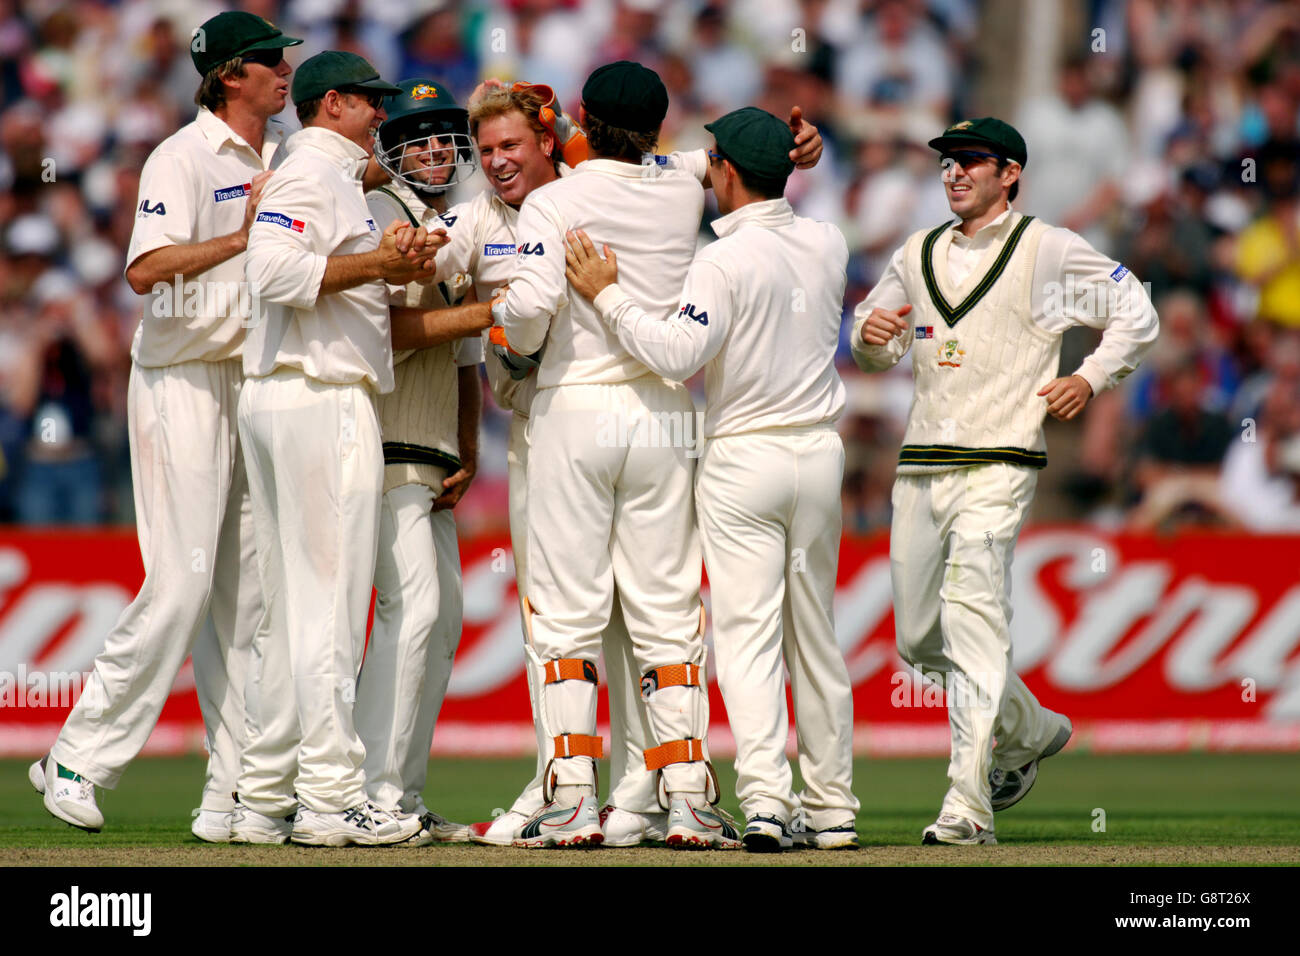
194	187
648	214
314	208
762	307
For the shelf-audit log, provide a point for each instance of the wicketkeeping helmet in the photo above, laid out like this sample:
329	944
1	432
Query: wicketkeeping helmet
425	140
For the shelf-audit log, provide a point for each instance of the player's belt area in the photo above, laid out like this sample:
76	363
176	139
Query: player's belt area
958	455
675	751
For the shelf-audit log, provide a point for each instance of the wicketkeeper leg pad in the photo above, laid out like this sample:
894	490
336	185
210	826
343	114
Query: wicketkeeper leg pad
568	714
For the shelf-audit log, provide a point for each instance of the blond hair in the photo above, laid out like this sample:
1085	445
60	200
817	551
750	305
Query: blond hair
493	101
212	92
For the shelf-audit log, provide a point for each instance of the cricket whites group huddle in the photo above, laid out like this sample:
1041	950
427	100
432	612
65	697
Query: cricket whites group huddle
312	438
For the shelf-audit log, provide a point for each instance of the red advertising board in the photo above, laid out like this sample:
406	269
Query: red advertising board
1147	643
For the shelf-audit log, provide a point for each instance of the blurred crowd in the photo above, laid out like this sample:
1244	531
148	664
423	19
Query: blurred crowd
1173	146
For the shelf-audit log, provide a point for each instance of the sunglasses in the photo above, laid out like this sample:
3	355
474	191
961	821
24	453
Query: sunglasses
372	98
966	157
267	58
713	156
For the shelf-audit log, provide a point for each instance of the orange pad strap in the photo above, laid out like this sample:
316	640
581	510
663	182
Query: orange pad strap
675	751
672	675
579	745
570	668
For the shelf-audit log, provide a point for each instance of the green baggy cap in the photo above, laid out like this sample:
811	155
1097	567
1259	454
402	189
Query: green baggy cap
756	141
232	34
626	95
336	70
1005	140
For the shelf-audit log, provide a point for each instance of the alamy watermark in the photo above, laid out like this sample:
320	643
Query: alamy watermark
652	430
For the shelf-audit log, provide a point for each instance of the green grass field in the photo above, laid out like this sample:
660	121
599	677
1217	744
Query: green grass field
1167	809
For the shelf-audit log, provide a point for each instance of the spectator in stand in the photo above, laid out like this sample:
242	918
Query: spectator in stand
1268	251
1260	481
1179	455
900	62
1080	155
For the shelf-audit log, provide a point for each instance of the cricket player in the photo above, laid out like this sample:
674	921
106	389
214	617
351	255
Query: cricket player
626	514
979	302
761	310
519	153
520	138
429	426
199	191
319	351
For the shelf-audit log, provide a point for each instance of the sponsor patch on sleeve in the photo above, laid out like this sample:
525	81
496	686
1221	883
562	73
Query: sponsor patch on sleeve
1120	272
369	222
499	249
280	219
232	192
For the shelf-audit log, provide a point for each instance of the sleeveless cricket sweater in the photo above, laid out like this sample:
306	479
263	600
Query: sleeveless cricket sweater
418	418
977	356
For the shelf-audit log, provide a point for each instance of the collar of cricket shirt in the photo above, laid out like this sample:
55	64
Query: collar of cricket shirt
984	234
350	157
769	214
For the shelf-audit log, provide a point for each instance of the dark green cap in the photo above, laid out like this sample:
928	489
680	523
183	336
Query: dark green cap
232	34
756	141
626	95
984	131
336	70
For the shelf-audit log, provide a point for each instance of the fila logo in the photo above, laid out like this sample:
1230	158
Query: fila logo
925	331
156	210
448	219
688	310
499	249
531	249
231	192
280	219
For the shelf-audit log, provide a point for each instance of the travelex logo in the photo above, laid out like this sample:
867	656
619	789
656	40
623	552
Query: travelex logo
231	192
1119	273
499	249
369	222
280	219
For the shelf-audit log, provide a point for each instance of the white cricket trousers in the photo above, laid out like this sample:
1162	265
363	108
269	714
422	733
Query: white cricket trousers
632	787
200	589
418	616
950	551
610	504
769	506
315	474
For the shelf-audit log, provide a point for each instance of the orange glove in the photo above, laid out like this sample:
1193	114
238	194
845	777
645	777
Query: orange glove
568	134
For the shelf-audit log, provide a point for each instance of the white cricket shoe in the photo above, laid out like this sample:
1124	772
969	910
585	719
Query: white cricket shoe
69	796
628	828
435	828
700	828
362	825
1009	787
501	831
950	828
844	837
766	834
249	826
563	826
211	826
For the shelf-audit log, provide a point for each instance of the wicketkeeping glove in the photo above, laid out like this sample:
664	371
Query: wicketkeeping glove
568	134
517	364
